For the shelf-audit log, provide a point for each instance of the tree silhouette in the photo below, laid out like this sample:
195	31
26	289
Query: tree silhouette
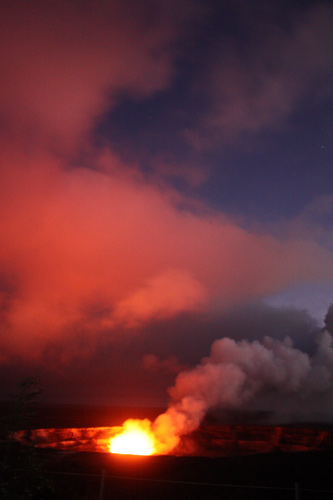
21	474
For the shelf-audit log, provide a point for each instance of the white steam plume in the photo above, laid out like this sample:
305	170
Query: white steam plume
237	374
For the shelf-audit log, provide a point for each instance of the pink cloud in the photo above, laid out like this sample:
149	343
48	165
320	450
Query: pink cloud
63	64
163	295
74	241
78	239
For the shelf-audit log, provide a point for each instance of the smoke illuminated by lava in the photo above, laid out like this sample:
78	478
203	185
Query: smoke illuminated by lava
235	376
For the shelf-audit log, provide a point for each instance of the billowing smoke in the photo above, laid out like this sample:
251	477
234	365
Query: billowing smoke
239	375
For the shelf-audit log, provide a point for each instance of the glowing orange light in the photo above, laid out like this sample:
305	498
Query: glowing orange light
136	438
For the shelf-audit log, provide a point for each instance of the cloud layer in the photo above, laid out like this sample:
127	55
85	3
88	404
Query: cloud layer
89	250
96	251
64	63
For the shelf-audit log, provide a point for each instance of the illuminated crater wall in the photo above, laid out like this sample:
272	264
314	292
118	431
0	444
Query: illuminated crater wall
209	440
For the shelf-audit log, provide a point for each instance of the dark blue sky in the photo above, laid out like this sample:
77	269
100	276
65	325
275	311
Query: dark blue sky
268	171
274	177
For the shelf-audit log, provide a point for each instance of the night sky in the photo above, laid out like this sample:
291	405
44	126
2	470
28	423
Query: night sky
166	181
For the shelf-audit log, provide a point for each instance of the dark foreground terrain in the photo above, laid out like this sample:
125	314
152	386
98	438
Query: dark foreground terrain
301	475
259	464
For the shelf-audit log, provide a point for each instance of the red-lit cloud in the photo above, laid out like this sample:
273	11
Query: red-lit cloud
163	295
64	64
78	241
94	248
